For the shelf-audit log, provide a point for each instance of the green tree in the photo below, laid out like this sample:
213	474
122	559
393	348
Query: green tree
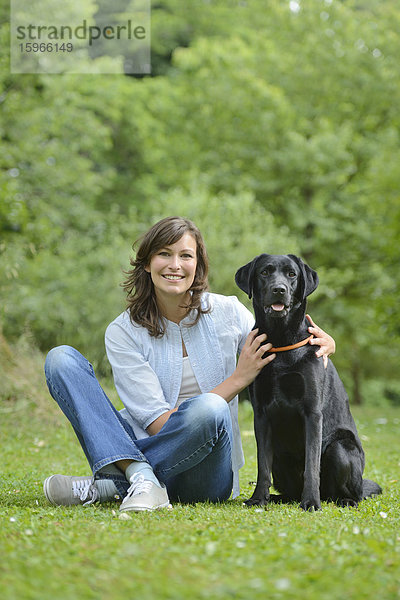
272	119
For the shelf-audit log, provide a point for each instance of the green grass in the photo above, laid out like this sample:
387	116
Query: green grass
189	552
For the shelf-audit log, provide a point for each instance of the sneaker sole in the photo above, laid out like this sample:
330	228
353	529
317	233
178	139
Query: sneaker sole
145	508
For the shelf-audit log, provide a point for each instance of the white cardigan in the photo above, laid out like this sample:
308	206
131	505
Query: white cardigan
148	371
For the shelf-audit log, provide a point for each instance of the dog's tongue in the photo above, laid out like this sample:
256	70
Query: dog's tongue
278	307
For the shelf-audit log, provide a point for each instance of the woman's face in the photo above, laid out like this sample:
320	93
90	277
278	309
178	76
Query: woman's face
173	268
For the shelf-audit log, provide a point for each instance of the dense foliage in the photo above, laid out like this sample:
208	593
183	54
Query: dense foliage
274	125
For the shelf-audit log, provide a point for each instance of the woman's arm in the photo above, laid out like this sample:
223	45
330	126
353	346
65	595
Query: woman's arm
137	384
249	365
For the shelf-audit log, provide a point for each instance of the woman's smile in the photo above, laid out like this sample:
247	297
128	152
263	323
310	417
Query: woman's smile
173	277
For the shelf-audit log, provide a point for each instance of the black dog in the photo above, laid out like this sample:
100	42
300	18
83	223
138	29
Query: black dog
306	436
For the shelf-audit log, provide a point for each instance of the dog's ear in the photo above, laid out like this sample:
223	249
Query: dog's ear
310	278
245	275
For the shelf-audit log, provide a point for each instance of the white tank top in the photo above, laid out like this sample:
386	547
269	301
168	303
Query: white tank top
189	385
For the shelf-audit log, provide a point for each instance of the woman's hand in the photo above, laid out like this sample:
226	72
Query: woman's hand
322	339
251	360
250	363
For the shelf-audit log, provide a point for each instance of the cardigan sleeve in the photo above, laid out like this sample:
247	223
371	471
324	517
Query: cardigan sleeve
136	382
245	321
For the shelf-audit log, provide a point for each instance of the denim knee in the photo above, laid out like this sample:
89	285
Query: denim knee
58	359
207	409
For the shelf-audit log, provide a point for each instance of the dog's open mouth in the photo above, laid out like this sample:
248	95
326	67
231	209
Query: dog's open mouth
276	310
278	307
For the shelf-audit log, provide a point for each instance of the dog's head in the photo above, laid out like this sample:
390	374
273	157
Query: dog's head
277	283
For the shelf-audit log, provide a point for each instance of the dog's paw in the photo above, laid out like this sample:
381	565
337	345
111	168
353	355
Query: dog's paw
347	503
310	505
257	501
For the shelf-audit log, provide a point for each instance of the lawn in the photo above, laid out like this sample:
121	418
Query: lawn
189	552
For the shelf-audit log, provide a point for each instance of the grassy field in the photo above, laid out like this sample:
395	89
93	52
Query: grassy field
189	552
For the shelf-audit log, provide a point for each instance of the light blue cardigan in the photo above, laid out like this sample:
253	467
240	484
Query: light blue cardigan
148	371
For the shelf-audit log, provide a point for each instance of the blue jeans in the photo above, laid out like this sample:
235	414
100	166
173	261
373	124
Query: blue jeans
191	454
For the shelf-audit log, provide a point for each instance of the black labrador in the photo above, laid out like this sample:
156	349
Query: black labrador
306	436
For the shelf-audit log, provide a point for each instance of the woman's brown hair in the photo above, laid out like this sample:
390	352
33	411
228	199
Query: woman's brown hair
141	299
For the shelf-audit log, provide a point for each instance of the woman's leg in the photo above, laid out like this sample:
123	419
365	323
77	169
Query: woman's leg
211	480
192	453
196	440
103	434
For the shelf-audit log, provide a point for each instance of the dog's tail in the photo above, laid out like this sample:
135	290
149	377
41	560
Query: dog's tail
370	488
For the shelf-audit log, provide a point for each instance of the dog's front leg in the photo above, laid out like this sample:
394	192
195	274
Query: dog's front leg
262	431
310	499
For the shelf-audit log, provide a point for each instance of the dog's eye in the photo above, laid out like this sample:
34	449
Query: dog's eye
292	274
264	273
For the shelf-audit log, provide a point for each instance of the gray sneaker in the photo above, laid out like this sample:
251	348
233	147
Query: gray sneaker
144	495
63	490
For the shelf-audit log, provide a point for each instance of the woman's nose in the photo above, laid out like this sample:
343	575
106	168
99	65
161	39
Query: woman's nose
175	262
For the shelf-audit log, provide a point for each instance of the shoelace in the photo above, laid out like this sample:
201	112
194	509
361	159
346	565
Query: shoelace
85	490
139	485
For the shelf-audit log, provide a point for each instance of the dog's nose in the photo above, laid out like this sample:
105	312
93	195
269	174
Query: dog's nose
279	289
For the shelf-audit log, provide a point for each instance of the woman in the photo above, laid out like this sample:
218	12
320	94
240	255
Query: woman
173	355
